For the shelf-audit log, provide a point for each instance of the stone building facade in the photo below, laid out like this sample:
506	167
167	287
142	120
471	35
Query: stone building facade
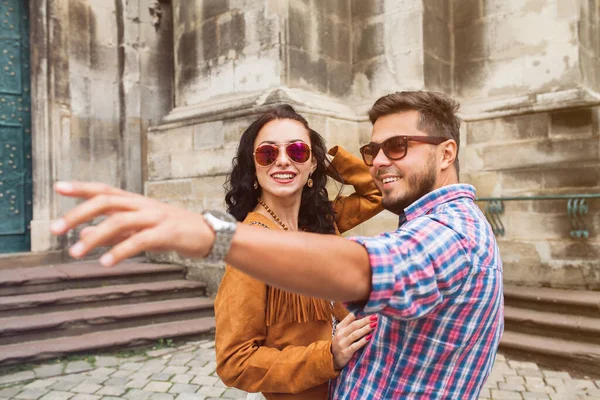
156	101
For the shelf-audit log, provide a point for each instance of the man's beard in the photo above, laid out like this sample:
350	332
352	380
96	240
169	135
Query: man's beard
417	187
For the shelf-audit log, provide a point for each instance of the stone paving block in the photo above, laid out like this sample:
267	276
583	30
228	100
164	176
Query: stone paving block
212	365
47	370
530	372
83	396
136	394
201	371
504	394
522	365
556	374
175	370
183	388
77	366
40	383
211	391
122	373
155	386
511	387
102	371
220	383
57	395
182	378
17	377
31	394
161	396
116	382
159	352
519	380
154	365
107	361
555	382
132	366
86	388
190	396
181	359
112	390
535	396
208	345
136	383
62	385
485	394
10	391
233	393
160	377
98	380
205	380
140	375
111	398
582	384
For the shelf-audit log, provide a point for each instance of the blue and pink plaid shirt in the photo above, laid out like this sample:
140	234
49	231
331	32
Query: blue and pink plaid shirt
437	288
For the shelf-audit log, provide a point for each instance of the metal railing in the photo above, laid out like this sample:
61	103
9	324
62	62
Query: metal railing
577	208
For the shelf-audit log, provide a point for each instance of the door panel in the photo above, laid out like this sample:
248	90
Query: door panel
15	128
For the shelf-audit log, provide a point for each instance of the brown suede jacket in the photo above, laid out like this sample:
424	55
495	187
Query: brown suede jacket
276	342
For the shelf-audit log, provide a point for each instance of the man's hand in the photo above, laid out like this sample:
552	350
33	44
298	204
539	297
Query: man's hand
135	223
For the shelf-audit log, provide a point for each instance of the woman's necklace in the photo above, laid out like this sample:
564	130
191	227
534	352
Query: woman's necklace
275	217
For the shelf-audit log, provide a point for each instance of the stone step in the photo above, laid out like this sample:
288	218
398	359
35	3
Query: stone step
579	356
571	302
21	260
81	321
58	347
39	303
82	275
569	327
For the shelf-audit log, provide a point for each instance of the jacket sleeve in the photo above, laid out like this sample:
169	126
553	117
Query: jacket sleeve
242	359
365	202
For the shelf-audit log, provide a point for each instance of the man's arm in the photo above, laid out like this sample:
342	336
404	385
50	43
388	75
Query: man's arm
325	266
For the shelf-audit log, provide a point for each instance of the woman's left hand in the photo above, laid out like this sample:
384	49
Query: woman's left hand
351	335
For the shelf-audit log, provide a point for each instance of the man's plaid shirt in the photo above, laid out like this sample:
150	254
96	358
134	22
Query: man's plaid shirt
437	289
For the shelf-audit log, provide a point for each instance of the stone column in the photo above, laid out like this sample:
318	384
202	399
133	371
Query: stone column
101	71
526	73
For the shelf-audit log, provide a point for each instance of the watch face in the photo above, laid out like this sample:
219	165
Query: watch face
222	215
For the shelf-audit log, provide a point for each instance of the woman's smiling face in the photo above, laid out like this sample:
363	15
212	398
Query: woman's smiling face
284	177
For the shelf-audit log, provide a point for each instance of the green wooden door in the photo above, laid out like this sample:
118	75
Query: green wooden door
15	127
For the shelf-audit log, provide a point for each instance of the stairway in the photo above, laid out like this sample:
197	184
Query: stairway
558	327
54	310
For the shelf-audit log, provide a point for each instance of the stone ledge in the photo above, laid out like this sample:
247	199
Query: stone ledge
240	105
533	103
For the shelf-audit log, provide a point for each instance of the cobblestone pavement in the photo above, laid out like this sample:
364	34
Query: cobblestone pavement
188	373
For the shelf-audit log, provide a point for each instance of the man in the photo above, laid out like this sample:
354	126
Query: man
435	282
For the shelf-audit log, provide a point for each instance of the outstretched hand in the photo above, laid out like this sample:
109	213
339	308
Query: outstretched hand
135	223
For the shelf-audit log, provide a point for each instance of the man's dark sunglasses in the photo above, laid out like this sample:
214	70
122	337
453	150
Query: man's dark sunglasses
395	147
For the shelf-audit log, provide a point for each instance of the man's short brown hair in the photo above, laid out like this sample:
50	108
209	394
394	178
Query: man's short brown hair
437	113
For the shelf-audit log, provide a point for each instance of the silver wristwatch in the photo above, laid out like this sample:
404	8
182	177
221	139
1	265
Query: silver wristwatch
224	225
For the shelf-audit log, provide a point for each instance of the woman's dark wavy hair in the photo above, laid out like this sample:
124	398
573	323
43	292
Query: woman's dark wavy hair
316	211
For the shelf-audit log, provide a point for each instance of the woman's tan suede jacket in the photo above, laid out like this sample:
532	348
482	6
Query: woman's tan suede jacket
276	342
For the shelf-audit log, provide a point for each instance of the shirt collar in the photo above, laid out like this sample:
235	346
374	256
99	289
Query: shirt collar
435	198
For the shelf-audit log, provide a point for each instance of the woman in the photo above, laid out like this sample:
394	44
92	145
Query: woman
269	340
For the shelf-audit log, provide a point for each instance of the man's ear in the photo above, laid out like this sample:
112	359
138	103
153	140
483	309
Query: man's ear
449	151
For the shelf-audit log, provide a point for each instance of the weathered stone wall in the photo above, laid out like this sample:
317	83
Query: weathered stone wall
532	129
526	72
105	76
225	47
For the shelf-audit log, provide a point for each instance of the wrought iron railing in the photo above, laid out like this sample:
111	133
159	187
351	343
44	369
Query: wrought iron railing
577	208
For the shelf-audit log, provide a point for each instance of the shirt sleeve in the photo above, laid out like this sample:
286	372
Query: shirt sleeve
413	269
365	202
243	361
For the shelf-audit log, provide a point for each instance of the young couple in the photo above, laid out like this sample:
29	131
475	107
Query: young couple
434	284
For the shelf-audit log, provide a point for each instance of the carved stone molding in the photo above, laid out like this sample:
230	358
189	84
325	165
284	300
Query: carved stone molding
155	10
